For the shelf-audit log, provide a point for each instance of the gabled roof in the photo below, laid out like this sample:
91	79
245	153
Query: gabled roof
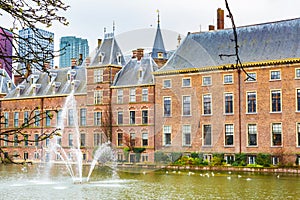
257	43
57	82
110	53
158	45
136	72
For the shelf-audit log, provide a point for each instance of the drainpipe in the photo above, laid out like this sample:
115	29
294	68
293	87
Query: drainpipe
240	111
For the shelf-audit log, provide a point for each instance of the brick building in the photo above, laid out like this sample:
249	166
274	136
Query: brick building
205	105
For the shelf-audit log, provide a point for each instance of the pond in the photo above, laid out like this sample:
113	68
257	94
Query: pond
45	182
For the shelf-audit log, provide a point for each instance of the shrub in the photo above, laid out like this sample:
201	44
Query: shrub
240	160
161	157
263	159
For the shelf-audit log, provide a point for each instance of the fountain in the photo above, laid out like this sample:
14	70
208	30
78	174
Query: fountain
73	158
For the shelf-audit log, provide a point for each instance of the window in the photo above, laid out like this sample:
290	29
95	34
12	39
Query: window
276	100
119	96
251	77
37	118
228	103
298	134
251	159
98	96
132	117
97	139
297	73
275	75
298	99
83	117
6	119
82	139
207	104
186	135
59	119
167	106
120	117
167	83
16	141
132	95
5	142
145	139
275	160
251	102
132	139
26	140
26	118
276	134
36	155
186	82
16	119
252	135
229	159
167	135
70	117
70	139
36	139
229	134
144	116
186	105
47	142
98	75
228	79
97	118
206	80
58	140
48	118
207	139
120	139
145	94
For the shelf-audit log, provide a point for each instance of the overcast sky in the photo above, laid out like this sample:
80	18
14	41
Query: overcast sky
89	17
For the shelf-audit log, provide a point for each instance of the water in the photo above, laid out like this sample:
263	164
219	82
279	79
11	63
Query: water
140	184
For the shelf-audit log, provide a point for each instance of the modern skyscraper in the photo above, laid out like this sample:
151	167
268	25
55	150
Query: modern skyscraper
37	45
72	48
6	51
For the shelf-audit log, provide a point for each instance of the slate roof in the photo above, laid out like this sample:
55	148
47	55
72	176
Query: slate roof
110	52
262	42
158	45
60	82
130	74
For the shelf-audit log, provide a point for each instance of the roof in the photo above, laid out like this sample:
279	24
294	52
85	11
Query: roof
136	72
57	82
110	53
6	84
257	43
158	46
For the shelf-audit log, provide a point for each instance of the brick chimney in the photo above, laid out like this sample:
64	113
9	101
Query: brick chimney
99	43
211	27
139	53
220	19
134	52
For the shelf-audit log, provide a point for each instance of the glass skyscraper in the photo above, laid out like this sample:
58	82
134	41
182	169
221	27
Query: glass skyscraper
72	48
40	42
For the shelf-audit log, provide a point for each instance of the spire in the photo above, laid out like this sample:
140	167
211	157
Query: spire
158	50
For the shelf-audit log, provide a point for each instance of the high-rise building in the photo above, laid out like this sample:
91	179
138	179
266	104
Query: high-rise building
72	47
37	46
6	51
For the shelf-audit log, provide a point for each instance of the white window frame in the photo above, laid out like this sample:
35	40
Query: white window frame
249	131
203	137
145	94
203	103
165	85
204	83
186	130
190	105
272	135
183	84
98	75
132	95
167	130
248	79
227	80
275	79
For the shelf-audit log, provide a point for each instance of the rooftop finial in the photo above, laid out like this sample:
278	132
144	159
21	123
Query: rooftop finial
114	27
157	16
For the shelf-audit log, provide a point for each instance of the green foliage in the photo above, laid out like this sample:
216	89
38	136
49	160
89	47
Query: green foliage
240	160
217	160
161	157
175	156
263	159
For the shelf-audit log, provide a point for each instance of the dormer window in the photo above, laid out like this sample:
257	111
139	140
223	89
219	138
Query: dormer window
74	84
20	89
55	87
119	58
52	76
160	55
8	84
35	88
100	58
71	75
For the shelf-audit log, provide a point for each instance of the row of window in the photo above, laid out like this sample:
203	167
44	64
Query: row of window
252	135
228	78
251	106
132	117
132	139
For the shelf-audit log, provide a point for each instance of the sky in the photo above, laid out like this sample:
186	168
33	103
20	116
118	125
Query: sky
135	20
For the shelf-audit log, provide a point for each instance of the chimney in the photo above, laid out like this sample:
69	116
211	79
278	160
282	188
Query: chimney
220	19
73	62
87	61
139	53
211	27
99	42
134	52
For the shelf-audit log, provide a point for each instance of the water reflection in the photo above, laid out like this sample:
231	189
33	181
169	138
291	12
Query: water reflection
145	184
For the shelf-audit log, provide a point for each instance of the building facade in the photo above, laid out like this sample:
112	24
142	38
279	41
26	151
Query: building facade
6	51
37	45
72	47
